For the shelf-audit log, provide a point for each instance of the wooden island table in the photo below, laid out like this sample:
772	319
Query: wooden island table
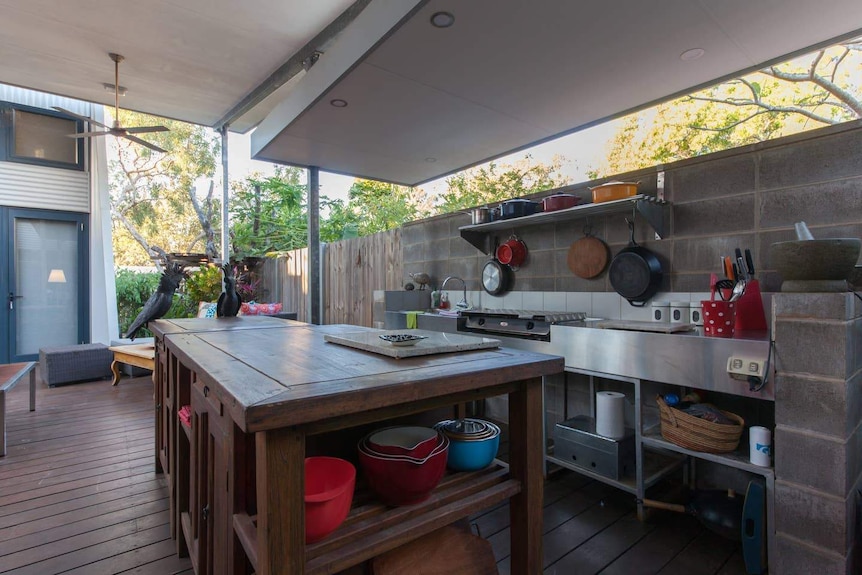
257	394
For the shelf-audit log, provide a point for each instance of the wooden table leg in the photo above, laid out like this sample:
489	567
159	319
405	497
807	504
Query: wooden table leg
33	388
525	464
280	470
116	371
3	421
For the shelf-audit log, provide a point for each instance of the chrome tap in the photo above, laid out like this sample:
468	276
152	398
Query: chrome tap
463	303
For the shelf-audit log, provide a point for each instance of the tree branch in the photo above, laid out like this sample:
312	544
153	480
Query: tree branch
130	227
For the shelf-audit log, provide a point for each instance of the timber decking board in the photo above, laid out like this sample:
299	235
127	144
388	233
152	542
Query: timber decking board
85	519
78	490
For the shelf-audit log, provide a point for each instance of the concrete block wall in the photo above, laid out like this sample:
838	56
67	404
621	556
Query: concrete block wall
748	197
818	433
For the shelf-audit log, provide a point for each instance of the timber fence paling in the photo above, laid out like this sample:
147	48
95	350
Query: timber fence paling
351	270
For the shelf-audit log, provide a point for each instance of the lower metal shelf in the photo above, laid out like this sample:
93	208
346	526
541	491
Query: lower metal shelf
656	466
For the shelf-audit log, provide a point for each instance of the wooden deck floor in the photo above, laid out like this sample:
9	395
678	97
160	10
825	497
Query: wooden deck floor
78	494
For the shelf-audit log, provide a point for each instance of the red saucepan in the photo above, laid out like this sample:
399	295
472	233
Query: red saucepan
512	253
559	202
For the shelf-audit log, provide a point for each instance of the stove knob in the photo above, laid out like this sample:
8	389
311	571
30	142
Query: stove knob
481	321
530	325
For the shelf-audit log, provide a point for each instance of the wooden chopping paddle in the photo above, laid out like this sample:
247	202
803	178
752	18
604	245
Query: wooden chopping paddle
588	257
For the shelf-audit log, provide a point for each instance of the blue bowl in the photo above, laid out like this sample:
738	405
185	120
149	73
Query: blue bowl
472	455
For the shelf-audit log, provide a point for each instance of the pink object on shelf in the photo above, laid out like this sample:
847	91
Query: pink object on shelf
185	415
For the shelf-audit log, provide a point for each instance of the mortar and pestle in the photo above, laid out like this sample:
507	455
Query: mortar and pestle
810	265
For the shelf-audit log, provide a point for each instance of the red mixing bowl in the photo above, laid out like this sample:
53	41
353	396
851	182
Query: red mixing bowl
399	480
329	483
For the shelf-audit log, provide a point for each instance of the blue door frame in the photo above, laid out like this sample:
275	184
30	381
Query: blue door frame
8	316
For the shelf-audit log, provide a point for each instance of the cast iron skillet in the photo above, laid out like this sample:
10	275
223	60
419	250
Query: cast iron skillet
635	272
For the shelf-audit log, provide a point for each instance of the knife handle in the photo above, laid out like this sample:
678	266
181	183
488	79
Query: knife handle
749	262
728	267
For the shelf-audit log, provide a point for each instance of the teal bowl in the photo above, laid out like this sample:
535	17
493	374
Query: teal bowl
472	455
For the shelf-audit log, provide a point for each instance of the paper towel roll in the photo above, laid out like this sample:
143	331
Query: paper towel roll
611	414
760	446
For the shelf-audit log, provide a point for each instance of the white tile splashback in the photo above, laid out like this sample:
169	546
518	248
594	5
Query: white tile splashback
606	305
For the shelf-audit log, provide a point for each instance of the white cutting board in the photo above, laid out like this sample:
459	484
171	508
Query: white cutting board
653	326
435	342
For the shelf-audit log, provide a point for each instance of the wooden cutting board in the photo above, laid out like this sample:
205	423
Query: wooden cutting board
588	257
447	551
653	326
434	342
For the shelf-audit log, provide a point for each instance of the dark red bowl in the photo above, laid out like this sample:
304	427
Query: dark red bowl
411	441
400	480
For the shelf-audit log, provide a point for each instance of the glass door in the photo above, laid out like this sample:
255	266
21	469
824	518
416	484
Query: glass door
47	283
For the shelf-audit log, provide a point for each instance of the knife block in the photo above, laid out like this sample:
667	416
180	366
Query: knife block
749	309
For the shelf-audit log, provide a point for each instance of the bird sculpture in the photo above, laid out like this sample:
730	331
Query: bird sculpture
161	300
229	301
422	279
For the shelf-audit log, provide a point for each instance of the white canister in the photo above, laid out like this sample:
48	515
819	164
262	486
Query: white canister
611	414
695	313
661	311
679	312
760	446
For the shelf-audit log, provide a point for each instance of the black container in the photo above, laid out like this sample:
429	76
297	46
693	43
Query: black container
518	208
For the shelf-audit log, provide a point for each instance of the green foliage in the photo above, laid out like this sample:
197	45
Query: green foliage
809	92
497	182
268	214
204	284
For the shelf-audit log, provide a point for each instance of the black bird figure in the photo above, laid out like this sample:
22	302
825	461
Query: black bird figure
160	302
229	301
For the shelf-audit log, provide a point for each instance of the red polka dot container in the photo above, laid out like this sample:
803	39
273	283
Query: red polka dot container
719	318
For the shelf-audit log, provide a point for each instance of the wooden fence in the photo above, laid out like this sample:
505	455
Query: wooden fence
351	271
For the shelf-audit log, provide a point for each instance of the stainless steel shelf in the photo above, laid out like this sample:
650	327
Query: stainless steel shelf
737	459
654	211
656	466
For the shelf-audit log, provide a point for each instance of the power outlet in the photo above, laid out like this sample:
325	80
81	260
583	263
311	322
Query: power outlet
740	367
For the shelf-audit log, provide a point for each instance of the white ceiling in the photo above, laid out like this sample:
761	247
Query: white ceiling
427	102
191	60
423	102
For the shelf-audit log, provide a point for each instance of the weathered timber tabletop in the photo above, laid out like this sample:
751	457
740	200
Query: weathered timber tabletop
284	384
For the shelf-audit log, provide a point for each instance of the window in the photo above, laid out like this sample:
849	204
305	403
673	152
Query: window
35	136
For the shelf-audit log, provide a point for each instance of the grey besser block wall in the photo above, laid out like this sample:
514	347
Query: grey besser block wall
745	197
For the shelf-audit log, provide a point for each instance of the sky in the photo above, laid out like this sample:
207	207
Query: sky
581	150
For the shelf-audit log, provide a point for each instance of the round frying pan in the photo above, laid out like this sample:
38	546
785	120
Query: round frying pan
635	272
588	257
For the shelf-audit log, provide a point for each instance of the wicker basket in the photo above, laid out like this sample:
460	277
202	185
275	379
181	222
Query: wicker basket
699	434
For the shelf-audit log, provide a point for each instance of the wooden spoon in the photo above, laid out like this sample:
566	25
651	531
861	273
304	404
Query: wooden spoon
588	257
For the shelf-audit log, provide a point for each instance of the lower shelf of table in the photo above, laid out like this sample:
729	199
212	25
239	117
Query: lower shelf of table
656	466
373	528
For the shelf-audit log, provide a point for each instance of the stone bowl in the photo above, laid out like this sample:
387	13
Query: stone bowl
815	259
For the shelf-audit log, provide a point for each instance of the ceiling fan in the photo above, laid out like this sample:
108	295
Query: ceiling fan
116	129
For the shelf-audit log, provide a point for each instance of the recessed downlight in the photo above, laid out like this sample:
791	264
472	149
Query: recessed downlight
693	54
338	103
430	160
442	19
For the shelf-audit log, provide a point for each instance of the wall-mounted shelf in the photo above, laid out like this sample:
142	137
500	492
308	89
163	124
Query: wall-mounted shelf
655	211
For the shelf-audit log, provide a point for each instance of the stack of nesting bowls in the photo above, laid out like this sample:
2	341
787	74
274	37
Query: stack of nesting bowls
473	443
403	464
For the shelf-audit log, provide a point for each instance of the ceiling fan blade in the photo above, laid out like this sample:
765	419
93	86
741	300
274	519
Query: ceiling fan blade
80	117
87	134
146	129
145	143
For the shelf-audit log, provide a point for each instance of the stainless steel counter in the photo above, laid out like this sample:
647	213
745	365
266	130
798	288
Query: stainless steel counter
689	358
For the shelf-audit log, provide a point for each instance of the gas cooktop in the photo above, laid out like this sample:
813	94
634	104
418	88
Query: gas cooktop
526	324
